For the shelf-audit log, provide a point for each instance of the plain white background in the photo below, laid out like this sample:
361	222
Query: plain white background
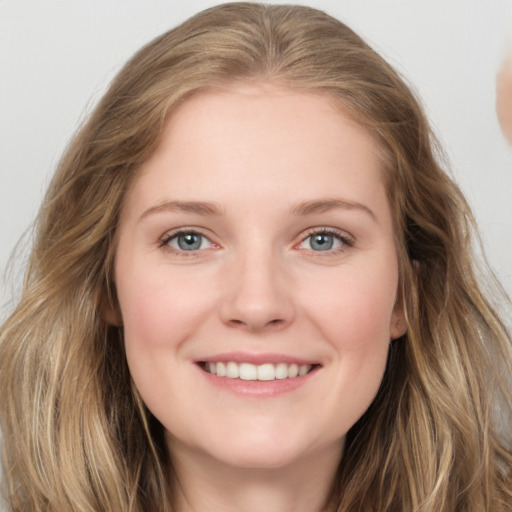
57	56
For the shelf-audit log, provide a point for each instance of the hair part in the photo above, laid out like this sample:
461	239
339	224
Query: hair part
77	435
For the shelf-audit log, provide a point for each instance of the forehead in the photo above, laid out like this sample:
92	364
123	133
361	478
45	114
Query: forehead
260	106
269	138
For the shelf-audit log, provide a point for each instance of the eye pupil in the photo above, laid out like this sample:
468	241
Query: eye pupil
322	242
189	241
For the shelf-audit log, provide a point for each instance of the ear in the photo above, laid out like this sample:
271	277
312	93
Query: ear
111	313
398	324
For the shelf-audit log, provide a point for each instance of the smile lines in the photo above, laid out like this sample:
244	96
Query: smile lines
263	372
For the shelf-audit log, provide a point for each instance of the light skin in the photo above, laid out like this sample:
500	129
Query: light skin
504	97
259	232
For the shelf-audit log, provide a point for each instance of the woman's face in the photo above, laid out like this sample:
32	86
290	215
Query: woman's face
257	242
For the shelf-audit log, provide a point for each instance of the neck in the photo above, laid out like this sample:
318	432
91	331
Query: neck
202	484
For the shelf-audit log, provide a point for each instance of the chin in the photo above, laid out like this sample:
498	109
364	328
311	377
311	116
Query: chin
265	455
267	448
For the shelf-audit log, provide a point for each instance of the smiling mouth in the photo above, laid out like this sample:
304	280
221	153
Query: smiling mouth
262	372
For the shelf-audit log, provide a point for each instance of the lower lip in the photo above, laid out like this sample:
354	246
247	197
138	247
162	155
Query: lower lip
263	388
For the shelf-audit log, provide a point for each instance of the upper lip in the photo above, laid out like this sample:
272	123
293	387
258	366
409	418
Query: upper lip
256	359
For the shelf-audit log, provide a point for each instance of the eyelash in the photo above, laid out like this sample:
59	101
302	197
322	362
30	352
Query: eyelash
346	241
165	242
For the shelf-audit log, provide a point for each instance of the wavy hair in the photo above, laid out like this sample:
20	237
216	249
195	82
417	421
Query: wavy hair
77	437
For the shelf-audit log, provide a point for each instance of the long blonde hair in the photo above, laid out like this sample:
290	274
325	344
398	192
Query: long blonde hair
76	436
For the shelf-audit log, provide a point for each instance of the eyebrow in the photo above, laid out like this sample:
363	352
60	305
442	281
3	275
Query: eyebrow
304	208
325	205
197	207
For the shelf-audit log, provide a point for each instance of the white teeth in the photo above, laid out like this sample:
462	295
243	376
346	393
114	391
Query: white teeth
303	369
221	369
248	371
293	371
232	371
281	371
264	372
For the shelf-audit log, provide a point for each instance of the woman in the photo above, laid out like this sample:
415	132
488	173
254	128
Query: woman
252	289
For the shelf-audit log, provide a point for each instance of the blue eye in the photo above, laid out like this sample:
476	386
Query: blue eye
321	242
188	241
324	241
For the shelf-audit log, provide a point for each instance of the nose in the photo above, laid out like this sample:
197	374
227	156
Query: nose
258	296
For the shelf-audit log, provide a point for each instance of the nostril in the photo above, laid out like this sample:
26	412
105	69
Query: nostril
258	298
254	323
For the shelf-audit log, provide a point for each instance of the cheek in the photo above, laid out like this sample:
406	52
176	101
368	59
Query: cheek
161	311
360	334
354	314
357	304
145	311
159	306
